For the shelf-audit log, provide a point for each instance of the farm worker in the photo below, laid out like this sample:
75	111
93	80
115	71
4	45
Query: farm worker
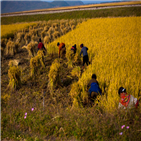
73	48
94	87
41	46
127	101
85	55
62	49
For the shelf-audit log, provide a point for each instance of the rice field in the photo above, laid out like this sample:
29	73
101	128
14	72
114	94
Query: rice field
114	52
11	28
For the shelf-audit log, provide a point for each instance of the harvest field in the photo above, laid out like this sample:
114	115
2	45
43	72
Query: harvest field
45	98
115	54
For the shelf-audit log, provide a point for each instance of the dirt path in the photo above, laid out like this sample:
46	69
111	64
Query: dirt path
67	10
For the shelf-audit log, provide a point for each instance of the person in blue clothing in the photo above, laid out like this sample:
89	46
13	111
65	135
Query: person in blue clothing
85	55
94	89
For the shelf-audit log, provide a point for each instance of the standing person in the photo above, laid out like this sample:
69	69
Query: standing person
73	48
127	101
62	49
94	87
41	46
85	55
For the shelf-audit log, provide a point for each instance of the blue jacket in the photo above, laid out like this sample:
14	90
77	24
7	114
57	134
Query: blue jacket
84	51
94	88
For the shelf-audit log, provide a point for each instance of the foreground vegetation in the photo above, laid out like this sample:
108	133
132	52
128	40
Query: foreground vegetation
44	98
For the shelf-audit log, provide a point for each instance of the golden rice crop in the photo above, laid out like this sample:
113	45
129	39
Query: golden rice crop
76	71
7	29
115	53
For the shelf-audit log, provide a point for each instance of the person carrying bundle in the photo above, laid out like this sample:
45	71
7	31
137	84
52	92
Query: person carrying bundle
62	49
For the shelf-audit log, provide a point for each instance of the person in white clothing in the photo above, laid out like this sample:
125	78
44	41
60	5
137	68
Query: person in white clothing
127	101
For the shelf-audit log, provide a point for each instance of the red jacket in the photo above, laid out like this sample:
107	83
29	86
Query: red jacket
40	45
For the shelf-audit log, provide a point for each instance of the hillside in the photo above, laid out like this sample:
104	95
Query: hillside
75	3
17	6
57	3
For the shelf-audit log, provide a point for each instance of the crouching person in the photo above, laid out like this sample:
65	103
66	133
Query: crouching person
126	101
62	50
94	90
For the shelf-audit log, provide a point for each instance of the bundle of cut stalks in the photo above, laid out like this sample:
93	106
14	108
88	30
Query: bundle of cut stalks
14	74
54	78
37	63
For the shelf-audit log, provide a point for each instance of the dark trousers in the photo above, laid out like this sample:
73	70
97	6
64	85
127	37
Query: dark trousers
85	60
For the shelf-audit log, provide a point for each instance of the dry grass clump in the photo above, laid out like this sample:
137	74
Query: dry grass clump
20	35
72	22
51	30
11	48
30	27
33	32
73	27
46	28
43	34
55	25
62	27
70	56
14	62
26	30
56	34
27	37
77	59
3	42
47	39
76	72
34	38
37	63
75	94
54	78
14	74
65	30
31	48
62	22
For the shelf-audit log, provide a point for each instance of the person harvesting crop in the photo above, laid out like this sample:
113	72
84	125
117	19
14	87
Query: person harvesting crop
126	101
62	49
85	55
41	46
73	48
94	87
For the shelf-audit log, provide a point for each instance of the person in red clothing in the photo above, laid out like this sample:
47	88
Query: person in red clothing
126	101
62	49
41	46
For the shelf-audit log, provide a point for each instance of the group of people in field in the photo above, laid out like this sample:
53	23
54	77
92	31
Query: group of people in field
126	101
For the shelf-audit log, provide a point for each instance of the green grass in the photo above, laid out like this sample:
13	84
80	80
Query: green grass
113	12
